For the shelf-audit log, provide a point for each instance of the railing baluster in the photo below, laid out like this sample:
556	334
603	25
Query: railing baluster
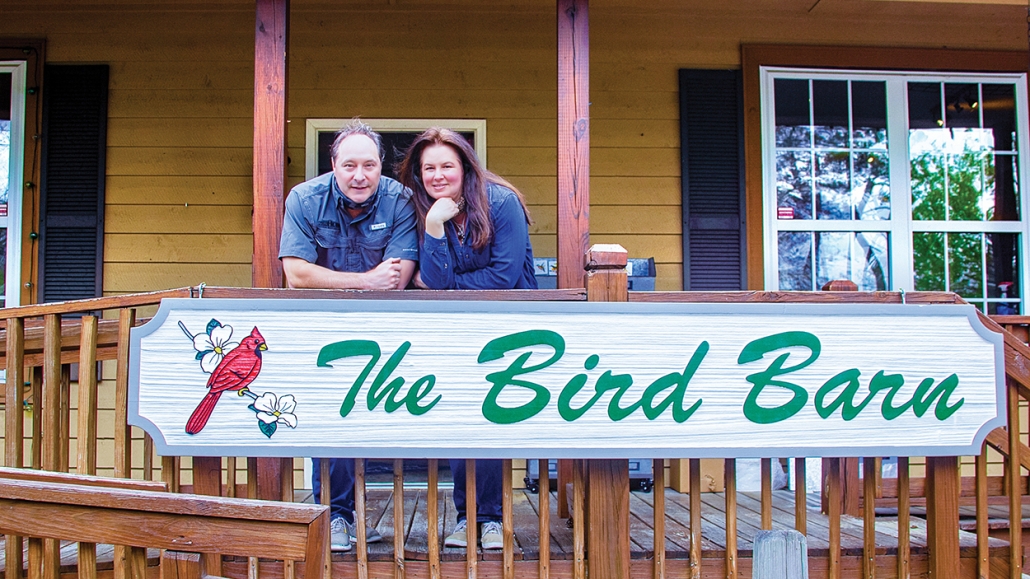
51	419
833	514
86	437
37	417
766	494
230	476
289	567
801	495
544	504
433	514
1015	485
579	569
324	498
507	524
170	472
122	433
695	518
983	566
904	516
359	519
63	448
398	519
730	468
471	532
869	518
14	424
148	457
658	474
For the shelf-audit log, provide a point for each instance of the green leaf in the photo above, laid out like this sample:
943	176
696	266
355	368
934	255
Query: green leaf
212	325
267	429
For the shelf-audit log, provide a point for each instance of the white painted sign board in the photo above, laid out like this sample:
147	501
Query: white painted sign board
412	379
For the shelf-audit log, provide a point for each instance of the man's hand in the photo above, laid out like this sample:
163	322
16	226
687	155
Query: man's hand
442	211
385	276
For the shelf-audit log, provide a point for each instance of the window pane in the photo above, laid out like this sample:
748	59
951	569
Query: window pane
965	264
968	198
924	105
795	249
830	112
859	257
869	114
928	259
962	105
1005	185
927	180
999	111
832	181
5	138
871	190
1003	270
794	184
793	125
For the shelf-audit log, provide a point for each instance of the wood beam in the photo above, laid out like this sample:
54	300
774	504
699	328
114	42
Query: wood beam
573	142
271	39
270	64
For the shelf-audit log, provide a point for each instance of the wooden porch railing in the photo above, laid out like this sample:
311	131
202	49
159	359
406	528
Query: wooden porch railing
40	347
46	507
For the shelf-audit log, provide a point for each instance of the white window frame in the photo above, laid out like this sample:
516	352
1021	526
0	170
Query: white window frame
900	225
13	220
315	126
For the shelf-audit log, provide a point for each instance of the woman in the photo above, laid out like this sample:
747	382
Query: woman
473	231
473	226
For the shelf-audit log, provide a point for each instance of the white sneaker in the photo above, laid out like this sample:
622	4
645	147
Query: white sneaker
458	538
492	537
339	538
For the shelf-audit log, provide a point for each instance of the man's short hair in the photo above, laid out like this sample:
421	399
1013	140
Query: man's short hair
356	127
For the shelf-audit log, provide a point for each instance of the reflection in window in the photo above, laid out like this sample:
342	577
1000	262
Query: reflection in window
808	260
983	268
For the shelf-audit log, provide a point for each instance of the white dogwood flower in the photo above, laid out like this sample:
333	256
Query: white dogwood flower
271	409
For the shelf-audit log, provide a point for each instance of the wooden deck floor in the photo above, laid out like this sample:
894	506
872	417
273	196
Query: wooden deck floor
380	515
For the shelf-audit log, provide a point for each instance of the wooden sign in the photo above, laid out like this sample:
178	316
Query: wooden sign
410	379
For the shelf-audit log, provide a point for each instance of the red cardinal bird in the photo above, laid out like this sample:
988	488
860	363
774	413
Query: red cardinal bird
235	372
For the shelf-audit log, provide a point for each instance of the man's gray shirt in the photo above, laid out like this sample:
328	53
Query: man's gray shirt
318	229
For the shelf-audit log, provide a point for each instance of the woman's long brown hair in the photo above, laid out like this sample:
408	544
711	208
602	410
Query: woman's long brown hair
473	190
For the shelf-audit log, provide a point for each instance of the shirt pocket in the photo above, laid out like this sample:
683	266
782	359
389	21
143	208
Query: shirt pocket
372	246
331	248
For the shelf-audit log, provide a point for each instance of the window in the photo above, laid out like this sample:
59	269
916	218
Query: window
397	134
12	149
896	181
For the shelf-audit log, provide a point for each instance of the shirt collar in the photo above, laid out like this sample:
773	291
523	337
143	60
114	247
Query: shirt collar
344	202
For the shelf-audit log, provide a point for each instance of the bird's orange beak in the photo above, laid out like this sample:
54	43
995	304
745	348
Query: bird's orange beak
263	347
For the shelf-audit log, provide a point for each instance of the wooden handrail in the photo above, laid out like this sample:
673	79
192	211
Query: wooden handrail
95	510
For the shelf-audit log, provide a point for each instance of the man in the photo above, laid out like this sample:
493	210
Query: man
349	229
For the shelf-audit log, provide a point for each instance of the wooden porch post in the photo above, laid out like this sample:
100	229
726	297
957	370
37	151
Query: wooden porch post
942	490
271	36
607	480
573	165
573	141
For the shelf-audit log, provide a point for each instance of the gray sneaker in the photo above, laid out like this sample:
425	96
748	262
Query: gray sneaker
458	538
339	539
371	535
491	536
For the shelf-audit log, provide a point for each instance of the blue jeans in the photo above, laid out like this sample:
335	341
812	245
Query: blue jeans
341	486
488	489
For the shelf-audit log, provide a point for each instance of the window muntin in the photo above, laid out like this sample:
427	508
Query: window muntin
895	181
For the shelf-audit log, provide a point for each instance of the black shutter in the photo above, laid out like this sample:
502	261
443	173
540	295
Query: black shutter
72	182
712	149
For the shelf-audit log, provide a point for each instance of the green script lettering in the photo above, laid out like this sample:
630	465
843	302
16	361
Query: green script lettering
495	350
756	350
377	392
